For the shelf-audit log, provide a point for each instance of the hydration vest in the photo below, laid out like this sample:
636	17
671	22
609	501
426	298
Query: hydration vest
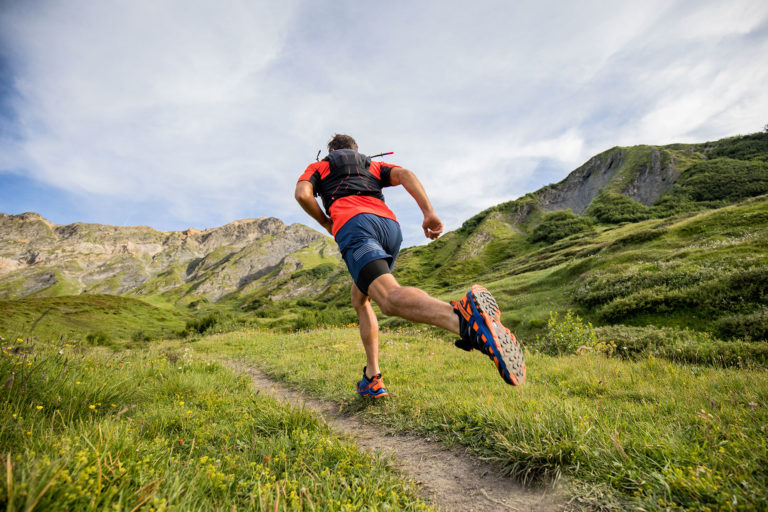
349	175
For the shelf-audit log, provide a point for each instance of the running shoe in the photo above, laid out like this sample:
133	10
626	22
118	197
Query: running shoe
373	387
480	328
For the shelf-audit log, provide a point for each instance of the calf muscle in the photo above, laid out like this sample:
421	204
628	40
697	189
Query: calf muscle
412	304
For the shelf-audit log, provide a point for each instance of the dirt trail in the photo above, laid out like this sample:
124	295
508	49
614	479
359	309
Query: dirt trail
451	480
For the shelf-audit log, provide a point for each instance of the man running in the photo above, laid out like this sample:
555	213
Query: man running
349	184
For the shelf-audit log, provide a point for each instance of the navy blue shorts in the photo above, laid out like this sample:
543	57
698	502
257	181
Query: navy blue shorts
367	237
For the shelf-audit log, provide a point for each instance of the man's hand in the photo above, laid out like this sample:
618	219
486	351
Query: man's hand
432	225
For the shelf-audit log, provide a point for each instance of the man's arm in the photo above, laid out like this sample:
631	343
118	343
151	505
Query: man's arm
432	224
305	195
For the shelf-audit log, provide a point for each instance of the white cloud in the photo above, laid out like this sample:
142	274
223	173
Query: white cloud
210	111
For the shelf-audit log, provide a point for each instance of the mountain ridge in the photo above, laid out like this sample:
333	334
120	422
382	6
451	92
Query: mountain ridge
39	257
293	275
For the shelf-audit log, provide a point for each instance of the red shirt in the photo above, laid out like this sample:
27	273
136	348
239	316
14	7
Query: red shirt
344	208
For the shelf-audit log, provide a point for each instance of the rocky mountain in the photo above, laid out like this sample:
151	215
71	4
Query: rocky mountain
642	236
642	173
265	267
623	183
39	258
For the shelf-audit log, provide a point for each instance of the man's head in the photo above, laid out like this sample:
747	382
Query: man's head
340	141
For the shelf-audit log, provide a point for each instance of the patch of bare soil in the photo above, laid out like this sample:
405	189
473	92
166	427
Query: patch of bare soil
449	479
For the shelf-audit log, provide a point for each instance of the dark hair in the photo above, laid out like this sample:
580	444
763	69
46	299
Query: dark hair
340	141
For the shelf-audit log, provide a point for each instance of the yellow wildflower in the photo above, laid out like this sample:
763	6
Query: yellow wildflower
91	406
181	402
39	407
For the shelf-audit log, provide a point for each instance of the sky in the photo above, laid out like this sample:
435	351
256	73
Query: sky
180	114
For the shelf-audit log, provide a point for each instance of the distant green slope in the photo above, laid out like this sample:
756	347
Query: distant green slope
670	235
696	258
104	317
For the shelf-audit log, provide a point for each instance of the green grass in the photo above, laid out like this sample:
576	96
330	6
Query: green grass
702	270
75	316
166	429
647	434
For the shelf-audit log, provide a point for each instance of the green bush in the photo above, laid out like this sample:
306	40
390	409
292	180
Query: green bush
99	338
636	237
713	291
307	303
747	147
317	272
140	336
722	181
752	326
312	318
611	208
566	335
263	308
201	325
683	346
557	225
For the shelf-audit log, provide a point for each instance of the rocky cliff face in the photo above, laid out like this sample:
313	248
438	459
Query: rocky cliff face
643	173
582	185
42	258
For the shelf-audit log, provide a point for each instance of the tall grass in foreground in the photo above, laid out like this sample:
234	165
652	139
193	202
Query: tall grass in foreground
85	429
647	434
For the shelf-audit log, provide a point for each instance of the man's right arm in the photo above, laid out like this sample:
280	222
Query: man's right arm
432	224
305	195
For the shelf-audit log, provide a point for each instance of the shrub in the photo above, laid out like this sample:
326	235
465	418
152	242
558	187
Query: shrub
307	303
712	291
566	335
140	336
746	147
752	326
317	272
263	308
201	325
645	235
99	338
723	180
611	208
310	319
683	346
558	225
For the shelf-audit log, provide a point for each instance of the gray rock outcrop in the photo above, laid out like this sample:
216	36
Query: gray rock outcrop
39	257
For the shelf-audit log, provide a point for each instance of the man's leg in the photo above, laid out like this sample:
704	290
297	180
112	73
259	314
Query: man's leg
369	330
479	328
412	304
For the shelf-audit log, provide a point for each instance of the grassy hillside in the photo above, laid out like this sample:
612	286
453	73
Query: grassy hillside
101	318
622	435
695	259
164	429
645	327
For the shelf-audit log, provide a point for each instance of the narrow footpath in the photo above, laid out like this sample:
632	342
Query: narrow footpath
450	480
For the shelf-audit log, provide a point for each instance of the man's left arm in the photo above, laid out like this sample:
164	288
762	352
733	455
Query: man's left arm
432	224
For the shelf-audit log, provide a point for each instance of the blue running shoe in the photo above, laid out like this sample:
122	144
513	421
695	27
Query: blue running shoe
373	387
481	329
